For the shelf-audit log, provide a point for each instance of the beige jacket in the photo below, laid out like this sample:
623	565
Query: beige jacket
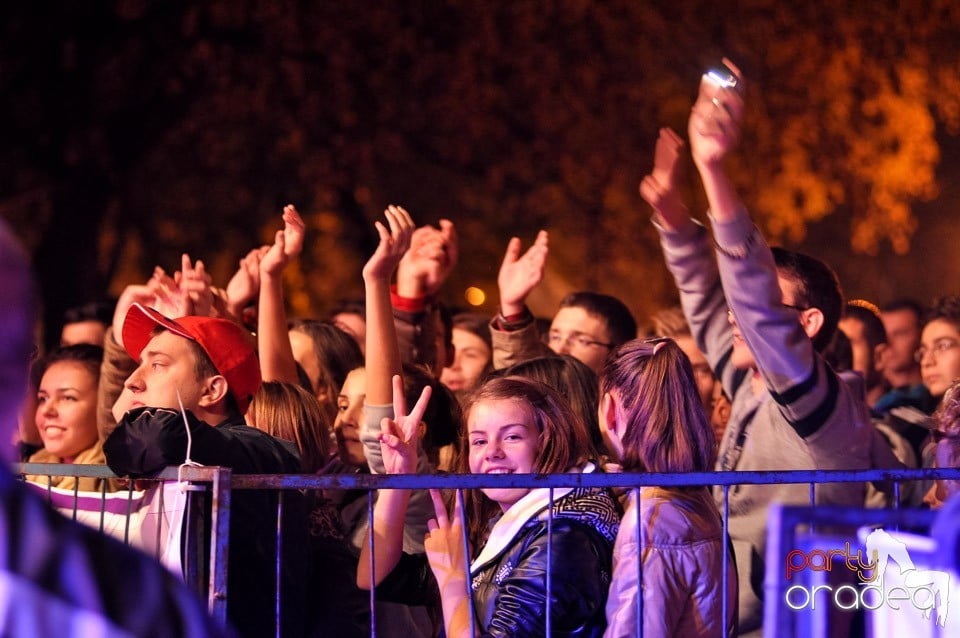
682	555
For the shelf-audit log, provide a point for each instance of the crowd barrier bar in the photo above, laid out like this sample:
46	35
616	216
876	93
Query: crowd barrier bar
222	482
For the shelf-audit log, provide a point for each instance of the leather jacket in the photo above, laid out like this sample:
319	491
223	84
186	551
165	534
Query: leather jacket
509	576
509	590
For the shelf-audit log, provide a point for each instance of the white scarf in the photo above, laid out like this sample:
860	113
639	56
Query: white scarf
505	529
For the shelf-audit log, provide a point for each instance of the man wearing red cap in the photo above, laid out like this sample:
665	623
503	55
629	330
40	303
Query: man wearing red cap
201	373
58	577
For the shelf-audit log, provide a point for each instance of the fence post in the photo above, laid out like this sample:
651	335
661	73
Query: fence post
219	544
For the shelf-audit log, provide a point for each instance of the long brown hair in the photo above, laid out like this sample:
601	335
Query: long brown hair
564	442
288	411
667	429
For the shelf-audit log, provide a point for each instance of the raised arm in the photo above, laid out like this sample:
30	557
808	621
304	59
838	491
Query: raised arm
117	364
276	354
399	441
520	274
689	257
513	331
382	350
661	188
714	130
778	335
431	258
428	262
244	287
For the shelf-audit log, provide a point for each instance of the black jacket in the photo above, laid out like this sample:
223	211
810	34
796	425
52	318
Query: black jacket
149	439
509	590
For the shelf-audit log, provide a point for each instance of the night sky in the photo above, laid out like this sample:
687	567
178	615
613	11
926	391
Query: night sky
138	130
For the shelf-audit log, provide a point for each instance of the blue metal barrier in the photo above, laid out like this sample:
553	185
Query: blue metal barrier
221	483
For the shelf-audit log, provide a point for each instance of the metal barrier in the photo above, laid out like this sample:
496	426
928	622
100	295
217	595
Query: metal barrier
220	483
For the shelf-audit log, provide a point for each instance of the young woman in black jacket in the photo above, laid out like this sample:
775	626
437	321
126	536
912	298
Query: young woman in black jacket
514	426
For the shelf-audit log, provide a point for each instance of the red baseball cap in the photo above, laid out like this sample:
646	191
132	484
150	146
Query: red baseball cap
229	346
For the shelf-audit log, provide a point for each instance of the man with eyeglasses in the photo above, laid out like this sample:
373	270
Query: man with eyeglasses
588	325
789	409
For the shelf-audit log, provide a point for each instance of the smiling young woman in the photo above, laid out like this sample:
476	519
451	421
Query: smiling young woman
66	415
514	426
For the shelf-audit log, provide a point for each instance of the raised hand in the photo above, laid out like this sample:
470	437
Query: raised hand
293	231
394	244
715	120
141	294
287	244
521	274
196	284
275	259
443	545
431	258
169	298
245	283
400	436
661	189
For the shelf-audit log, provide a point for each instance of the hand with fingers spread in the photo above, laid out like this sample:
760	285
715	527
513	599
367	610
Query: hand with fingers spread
445	552
169	298
196	284
394	244
432	255
661	188
715	120
521	274
400	436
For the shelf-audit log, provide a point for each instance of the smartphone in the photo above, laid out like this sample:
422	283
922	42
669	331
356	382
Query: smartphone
722	76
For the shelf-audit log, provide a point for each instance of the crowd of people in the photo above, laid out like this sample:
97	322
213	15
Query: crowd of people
763	366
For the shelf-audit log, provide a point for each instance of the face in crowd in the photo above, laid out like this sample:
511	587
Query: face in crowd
939	355
66	414
903	338
503	439
168	366
582	335
77	332
350	417
470	360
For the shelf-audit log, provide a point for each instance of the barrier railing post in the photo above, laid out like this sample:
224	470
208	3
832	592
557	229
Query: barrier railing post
103	503
277	577
549	622
373	565
639	539
725	561
466	554
220	544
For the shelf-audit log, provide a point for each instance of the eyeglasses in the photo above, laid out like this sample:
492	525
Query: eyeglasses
582	340
939	347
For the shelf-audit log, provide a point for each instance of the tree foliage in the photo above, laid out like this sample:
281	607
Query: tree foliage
142	129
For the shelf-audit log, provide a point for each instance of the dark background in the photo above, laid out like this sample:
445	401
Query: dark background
136	130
